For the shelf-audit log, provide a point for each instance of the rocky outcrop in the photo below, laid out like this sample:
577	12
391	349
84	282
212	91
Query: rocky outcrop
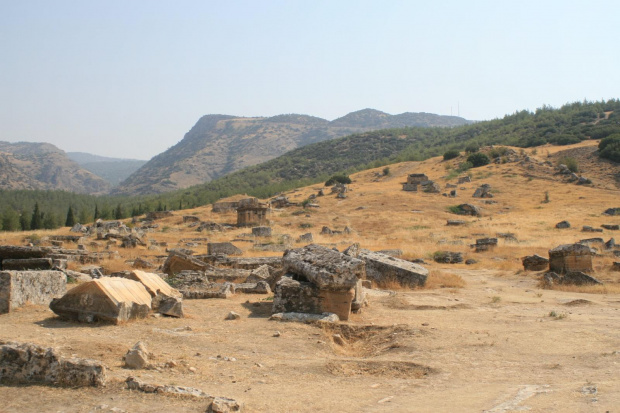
569	278
26	363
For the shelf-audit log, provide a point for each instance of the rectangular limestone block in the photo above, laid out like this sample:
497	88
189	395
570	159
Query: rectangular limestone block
35	287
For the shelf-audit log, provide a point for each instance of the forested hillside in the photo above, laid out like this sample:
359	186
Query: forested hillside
314	163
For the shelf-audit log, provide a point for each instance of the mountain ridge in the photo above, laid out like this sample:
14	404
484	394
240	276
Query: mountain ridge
220	144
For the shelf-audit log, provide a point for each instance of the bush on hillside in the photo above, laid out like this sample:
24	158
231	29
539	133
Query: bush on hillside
478	159
340	178
609	147
451	154
472	148
570	162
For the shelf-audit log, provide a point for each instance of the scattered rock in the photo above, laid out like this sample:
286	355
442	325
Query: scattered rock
484	191
612	211
569	278
535	263
471	261
137	357
611	227
587	228
27	363
468	209
307	237
562	225
304	318
448	257
233	316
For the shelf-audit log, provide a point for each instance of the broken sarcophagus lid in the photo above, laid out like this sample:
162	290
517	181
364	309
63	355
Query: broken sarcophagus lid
108	299
165	299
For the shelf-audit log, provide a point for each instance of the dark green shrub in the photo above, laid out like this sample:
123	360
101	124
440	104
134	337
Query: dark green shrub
386	171
472	148
609	147
564	139
341	178
451	154
478	159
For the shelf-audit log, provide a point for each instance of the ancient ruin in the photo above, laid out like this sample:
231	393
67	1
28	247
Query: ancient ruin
252	213
570	257
413	181
34	287
318	280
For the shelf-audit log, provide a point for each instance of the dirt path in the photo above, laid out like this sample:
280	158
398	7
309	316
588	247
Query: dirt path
491	346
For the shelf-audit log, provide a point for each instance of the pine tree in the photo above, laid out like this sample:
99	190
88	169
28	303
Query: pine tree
24	223
96	212
37	218
118	213
70	222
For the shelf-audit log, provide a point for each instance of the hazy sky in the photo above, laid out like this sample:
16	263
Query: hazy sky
130	78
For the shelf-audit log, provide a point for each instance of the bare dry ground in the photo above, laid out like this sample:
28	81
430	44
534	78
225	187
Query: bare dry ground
491	340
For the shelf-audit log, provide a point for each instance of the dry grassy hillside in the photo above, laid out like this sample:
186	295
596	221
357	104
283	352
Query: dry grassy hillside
481	337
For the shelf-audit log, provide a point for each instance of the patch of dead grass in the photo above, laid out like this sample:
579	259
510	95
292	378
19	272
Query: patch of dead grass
443	279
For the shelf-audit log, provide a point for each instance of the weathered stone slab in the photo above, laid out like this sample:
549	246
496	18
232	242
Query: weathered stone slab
245	263
27	363
455	222
177	262
259	274
21	253
106	299
35	287
135	384
562	225
305	317
211	290
611	227
326	268
569	278
190	218
485	244
535	263
383	269
448	257
570	257
587	228
261	231
223	248
307	237
260	287
25	264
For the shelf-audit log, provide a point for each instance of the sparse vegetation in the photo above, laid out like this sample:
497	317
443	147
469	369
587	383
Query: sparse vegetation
571	163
